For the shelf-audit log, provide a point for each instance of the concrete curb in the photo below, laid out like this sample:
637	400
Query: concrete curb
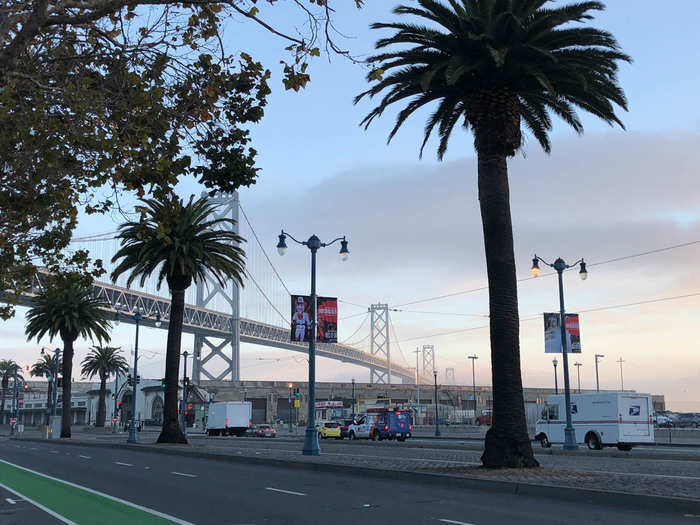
643	502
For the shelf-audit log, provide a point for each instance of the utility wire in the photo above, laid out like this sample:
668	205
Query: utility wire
266	297
600	263
537	317
439	313
396	340
352	304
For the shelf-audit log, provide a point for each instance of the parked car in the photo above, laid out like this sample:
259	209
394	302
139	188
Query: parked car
484	418
691	420
362	427
344	427
265	431
663	421
328	429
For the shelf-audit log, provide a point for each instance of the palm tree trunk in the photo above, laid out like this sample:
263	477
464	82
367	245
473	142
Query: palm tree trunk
101	408
507	443
66	412
48	402
171	432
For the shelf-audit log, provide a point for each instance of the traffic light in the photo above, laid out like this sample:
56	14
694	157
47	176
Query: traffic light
120	403
26	386
138	379
128	380
297	393
162	383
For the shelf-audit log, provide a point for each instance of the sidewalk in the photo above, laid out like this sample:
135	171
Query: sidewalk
567	483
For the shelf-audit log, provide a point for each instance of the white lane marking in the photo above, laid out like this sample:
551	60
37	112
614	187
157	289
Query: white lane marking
37	505
178	521
123	464
84	457
285	491
456	522
184	474
147	468
33	448
12	501
53	451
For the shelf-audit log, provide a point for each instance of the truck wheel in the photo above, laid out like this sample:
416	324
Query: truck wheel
352	435
375	435
593	441
544	441
320	436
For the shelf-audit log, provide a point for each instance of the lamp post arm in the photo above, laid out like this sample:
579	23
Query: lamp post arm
324	244
303	243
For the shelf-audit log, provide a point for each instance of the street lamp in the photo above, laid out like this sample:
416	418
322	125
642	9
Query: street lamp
185	386
473	360
15	403
138	317
559	265
597	383
311	446
556	385
354	405
578	372
437	421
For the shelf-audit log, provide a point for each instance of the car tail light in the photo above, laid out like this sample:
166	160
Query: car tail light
274	431
410	427
227	422
386	427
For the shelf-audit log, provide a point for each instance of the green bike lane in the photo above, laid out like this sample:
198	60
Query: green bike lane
75	504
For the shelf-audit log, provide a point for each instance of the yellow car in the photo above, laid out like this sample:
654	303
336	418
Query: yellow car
328	429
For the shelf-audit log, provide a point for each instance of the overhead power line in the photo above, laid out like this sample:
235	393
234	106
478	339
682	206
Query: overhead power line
537	317
599	263
358	328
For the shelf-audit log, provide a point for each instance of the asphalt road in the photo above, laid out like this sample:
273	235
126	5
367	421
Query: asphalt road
205	491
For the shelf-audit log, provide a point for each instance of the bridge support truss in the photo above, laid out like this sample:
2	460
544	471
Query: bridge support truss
428	359
207	347
379	343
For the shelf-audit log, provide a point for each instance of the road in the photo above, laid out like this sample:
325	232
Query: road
203	491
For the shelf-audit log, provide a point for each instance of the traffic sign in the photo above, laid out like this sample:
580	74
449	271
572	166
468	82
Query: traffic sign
13	421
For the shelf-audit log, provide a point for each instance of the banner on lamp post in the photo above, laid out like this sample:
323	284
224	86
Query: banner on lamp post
303	318
552	334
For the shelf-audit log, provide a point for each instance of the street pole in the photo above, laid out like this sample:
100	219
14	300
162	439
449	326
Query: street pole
473	360
354	403
15	393
569	431
311	446
437	420
417	387
116	405
290	407
184	393
556	385
578	372
132	423
622	380
597	383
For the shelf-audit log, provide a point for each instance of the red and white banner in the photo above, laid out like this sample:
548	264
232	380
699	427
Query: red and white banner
552	334
328	404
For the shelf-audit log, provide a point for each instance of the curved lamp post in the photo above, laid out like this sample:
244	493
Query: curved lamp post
556	381
311	446
138	317
559	265
54	395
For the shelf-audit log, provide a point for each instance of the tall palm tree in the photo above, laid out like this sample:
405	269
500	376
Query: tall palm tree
494	66
181	244
103	361
67	309
7	371
46	367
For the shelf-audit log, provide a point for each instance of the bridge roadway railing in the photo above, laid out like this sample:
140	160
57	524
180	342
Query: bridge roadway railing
211	323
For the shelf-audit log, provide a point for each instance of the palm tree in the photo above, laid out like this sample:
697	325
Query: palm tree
493	66
182	245
103	361
46	367
67	308
7	370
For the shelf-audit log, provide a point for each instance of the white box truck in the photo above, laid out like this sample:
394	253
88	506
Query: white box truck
229	418
600	419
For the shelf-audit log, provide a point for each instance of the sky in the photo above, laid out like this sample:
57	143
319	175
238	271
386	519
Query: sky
414	225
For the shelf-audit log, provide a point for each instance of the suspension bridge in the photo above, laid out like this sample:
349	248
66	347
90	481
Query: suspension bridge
221	317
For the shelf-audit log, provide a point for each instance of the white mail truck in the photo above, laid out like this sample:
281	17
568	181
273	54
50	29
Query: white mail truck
600	419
